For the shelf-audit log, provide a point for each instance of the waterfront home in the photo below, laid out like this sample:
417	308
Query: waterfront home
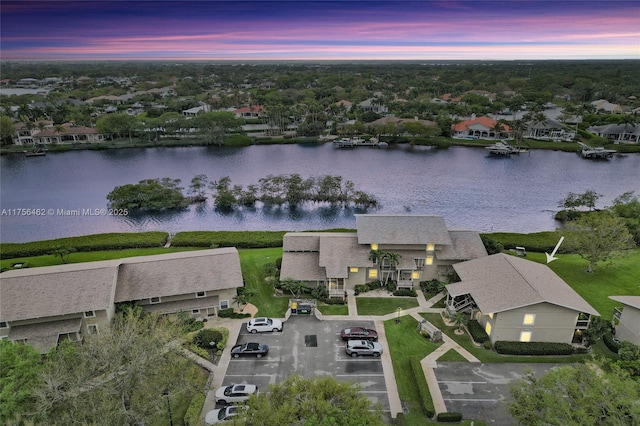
480	128
406	249
515	299
373	105
549	130
24	131
43	306
251	111
67	134
619	133
626	320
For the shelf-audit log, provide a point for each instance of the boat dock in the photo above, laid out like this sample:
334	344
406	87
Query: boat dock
595	152
504	149
355	142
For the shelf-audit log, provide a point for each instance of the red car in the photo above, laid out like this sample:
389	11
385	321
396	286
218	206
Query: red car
358	333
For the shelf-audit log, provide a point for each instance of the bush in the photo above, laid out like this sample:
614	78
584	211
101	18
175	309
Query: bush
319	292
202	353
431	286
205	336
450	417
487	344
405	292
225	313
392	286
533	348
491	245
334	301
192	416
423	389
361	288
477	332
191	324
608	340
374	285
97	242
238	239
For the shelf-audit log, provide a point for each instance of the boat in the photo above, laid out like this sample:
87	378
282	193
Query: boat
597	152
354	142
503	148
37	152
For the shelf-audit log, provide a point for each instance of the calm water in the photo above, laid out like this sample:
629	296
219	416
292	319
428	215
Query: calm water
468	188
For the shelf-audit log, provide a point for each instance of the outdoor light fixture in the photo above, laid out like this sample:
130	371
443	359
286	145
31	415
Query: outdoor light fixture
398	318
165	392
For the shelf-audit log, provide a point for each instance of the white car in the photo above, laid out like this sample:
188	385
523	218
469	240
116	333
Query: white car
235	393
220	415
264	324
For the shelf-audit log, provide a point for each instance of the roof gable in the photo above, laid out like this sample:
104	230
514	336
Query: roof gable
401	229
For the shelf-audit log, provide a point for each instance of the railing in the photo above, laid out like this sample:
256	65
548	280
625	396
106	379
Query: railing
617	313
405	284
582	324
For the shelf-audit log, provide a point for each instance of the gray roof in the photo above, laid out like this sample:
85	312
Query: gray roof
302	266
401	229
178	273
56	290
502	282
340	251
301	241
633	301
466	245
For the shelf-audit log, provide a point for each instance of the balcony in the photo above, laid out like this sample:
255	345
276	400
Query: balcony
583	321
405	283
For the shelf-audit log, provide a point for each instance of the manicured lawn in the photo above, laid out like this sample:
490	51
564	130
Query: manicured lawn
486	355
253	262
404	343
333	309
90	256
452	355
617	279
384	305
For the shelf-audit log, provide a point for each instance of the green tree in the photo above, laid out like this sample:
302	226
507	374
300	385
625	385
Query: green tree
148	195
321	401
116	124
294	287
627	206
243	297
213	126
460	319
579	394
598	237
6	130
197	186
19	369
598	327
63	253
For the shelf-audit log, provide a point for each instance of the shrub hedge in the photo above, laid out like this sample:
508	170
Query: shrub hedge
432	286
537	241
477	332
239	239
405	292
450	417
423	388
533	348
608	340
334	301
192	416
96	242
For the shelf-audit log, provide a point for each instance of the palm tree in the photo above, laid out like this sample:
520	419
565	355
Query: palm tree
388	263
294	287
242	298
460	320
497	129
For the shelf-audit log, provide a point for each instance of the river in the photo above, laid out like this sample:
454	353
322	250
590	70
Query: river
470	189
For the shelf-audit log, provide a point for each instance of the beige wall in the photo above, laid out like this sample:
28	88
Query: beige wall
552	324
629	327
356	278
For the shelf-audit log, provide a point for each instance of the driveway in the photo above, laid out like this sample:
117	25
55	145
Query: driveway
479	391
309	347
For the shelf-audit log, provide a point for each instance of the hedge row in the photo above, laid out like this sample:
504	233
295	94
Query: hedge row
423	388
608	340
533	348
192	416
537	241
239	239
405	292
477	332
229	313
97	242
450	417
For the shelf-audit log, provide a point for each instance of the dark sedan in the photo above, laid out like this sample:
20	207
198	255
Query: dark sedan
358	333
249	349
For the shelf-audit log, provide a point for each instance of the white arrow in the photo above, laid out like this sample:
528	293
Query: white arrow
550	257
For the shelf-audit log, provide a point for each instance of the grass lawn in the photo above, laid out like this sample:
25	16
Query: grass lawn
252	262
618	279
90	256
452	355
333	309
486	355
384	305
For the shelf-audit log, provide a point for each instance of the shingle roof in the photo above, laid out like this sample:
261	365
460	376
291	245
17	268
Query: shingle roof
401	229
484	121
502	282
465	245
56	290
301	241
178	273
302	266
340	251
633	301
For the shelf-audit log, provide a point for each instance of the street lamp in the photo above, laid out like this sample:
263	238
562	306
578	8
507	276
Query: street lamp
398	318
165	392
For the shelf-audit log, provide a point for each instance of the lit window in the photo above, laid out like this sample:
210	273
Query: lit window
525	336
373	273
487	328
491	315
415	275
224	304
353	269
429	260
431	247
374	246
529	319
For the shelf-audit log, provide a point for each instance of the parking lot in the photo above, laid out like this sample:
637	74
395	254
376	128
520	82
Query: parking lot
308	347
479	391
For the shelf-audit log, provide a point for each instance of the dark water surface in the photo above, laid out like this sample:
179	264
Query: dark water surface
467	187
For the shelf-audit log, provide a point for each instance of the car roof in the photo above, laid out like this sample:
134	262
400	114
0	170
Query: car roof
356	342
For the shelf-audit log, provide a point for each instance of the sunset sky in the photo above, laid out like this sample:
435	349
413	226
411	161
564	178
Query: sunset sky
319	30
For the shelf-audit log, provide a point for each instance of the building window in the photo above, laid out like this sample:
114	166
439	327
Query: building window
3	324
525	336
429	260
487	328
154	300
224	304
415	275
431	247
374	246
195	311
529	319
373	273
353	269
419	263
201	294
89	314
92	328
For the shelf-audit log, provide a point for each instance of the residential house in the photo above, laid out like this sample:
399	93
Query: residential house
626	320
193	112
341	260
67	134
24	131
620	133
345	104
373	105
480	128
518	300
251	111
43	306
605	105
549	130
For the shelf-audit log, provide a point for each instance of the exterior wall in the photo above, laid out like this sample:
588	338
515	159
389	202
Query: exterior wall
101	320
223	295
356	278
629	327
552	324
